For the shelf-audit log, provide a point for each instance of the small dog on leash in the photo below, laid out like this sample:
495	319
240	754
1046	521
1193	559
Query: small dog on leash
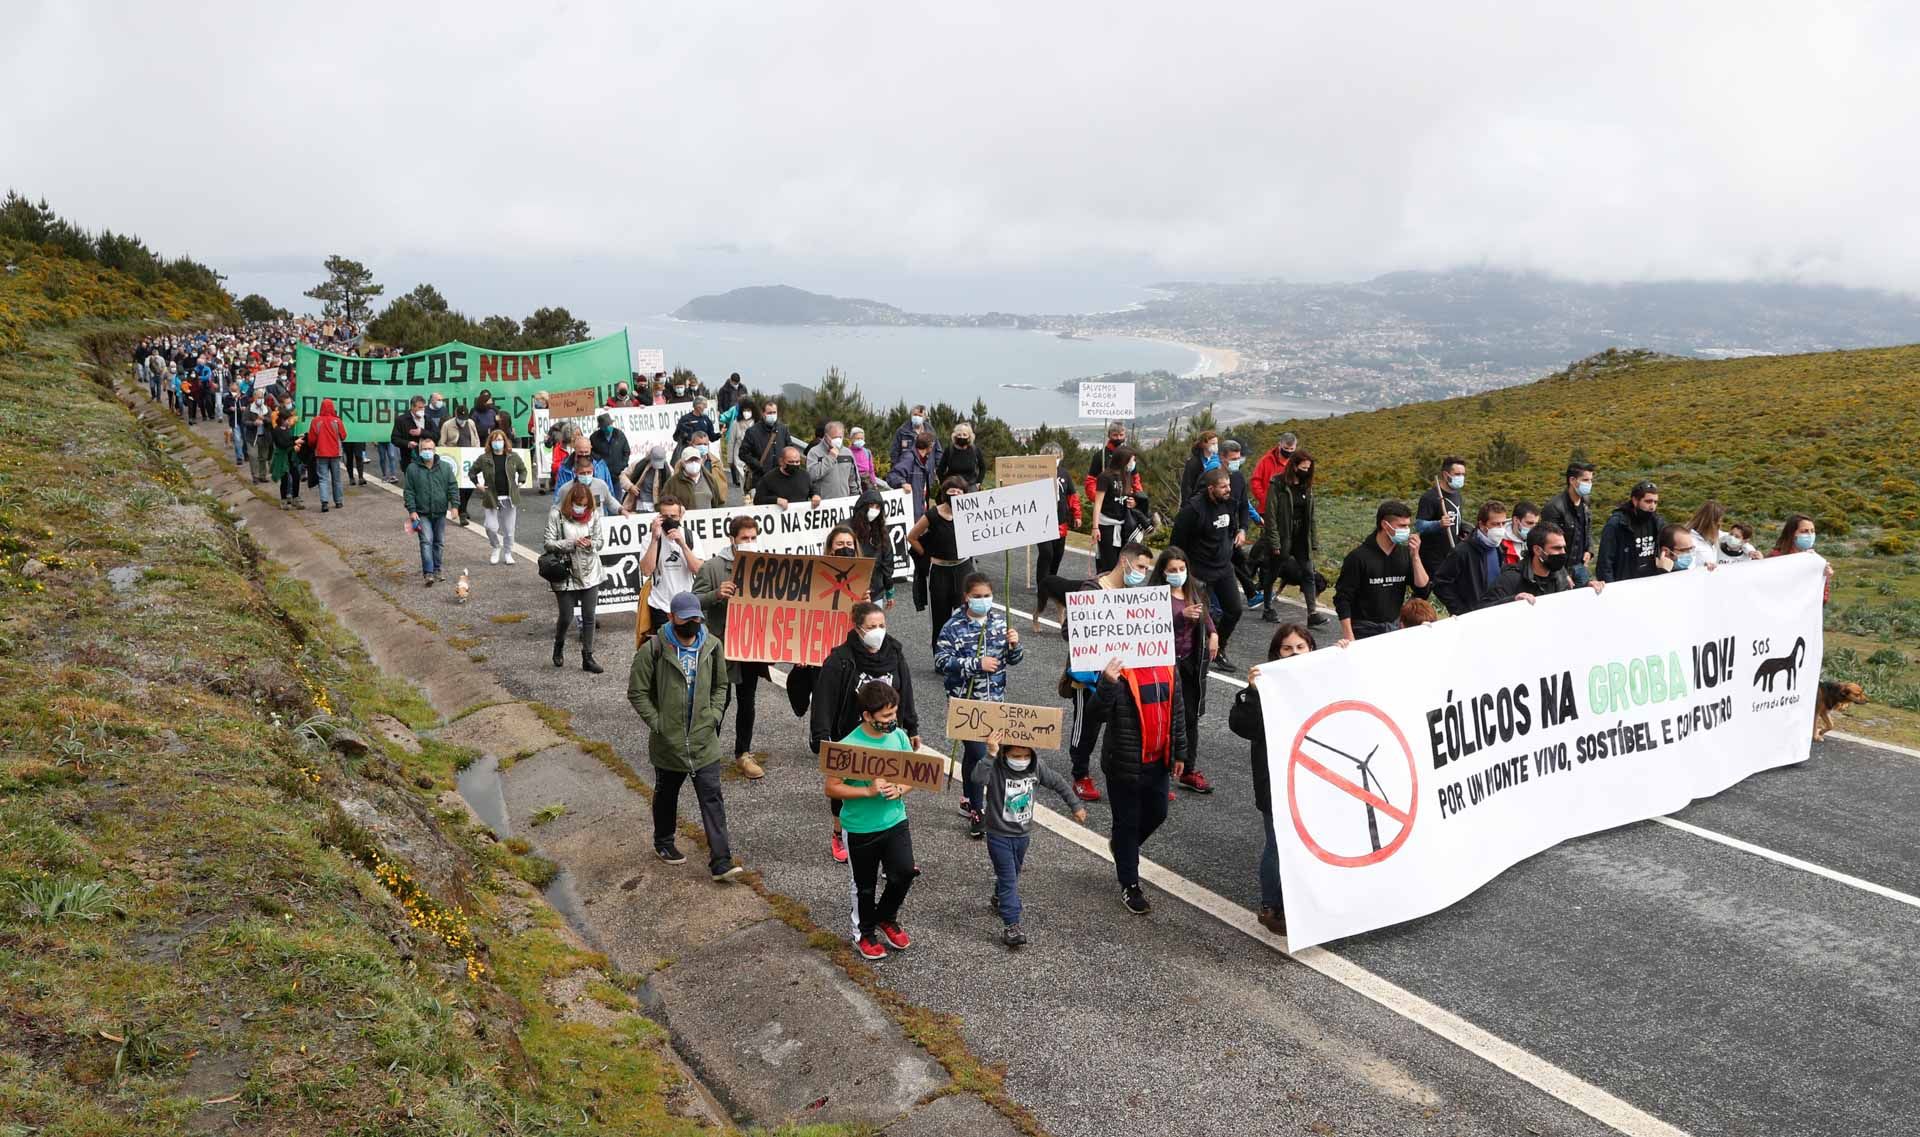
1833	697
462	587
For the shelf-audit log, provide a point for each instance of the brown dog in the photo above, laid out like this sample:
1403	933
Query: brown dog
1833	697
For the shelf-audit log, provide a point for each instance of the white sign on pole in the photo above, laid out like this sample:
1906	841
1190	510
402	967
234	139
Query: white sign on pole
1106	400
1005	518
1134	625
799	528
649	361
1410	769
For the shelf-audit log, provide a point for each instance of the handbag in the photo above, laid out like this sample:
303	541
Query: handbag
554	567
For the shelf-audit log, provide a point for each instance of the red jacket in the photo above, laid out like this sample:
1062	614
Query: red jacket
1269	465
326	433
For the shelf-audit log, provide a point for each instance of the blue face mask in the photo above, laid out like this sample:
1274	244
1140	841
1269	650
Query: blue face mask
1520	532
1134	579
1234	463
1176	578
979	605
1583	488
1803	541
1458	481
1399	536
1682	562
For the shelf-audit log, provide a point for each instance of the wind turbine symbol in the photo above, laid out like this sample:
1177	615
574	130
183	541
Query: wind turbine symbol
1367	781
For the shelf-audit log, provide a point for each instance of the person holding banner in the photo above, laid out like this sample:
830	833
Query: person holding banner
576	530
1374	576
868	656
327	435
1546	570
932	537
1145	748
497	477
1194	643
1248	721
1007	783
1135	564
713	584
678	687
875	817
972	652
786	482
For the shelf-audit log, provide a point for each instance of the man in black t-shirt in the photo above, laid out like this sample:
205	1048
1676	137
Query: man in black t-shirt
1374	577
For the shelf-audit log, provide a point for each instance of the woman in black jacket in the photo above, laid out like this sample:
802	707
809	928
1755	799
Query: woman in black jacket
867	655
1205	455
1248	721
1144	748
963	459
869	527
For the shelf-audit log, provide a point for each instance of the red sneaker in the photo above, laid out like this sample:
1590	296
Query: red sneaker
1196	782
870	948
839	847
1086	790
897	937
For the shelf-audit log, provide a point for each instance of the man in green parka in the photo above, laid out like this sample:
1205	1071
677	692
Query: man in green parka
678	686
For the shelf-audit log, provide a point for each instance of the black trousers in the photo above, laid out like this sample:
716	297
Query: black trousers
1048	564
1193	696
356	453
1243	573
713	811
747	685
586	598
1086	732
945	595
867	853
1226	592
1284	571
921	565
1139	806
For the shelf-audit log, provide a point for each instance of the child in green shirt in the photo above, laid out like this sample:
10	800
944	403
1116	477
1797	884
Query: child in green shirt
875	820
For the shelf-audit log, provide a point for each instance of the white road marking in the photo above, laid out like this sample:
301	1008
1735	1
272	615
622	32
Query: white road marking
1792	862
518	548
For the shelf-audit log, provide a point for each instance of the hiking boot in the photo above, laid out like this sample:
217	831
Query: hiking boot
323	507
670	853
1196	782
749	767
1222	663
429	577
993	905
896	936
870	947
1274	921
976	826
839	848
590	665
559	649
1135	900
1317	619
731	872
1085	790
1268	615
1012	936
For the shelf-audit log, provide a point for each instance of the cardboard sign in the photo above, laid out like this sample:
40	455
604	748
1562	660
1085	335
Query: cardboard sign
1007	518
870	763
649	361
792	609
1021	725
1133	625
1106	400
572	404
1017	468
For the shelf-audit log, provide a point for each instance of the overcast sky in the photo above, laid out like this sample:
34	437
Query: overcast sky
1598	140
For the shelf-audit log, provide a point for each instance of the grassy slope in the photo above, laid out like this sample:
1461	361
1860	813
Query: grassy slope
245	938
1829	434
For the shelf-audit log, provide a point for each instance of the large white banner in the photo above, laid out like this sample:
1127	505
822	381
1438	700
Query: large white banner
645	427
1010	517
1411	768
799	528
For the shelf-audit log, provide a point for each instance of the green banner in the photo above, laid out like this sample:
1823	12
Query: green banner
370	393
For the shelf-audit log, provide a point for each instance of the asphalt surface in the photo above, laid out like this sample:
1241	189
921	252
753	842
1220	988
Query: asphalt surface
1714	989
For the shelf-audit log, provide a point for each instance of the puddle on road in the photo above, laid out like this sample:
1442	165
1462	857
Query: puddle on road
480	785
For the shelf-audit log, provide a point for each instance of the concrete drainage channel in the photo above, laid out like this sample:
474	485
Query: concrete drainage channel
768	1024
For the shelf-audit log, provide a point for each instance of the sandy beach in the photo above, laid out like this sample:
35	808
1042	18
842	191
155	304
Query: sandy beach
1213	361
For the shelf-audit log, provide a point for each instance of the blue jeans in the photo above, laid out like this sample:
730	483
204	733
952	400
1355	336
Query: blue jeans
1269	866
971	752
333	486
239	445
433	533
1009	855
389	460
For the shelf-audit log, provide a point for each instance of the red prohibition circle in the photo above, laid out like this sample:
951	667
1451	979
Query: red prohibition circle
1297	759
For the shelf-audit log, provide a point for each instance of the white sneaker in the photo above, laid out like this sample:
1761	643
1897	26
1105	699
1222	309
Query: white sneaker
495	558
509	556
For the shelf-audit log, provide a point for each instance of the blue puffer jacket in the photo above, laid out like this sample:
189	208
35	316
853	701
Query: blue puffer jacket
963	644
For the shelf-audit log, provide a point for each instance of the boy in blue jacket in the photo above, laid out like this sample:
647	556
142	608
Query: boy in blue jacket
975	648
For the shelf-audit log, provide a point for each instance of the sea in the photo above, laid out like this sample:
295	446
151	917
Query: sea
1016	372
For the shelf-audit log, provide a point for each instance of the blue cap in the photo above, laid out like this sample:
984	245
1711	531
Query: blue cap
686	606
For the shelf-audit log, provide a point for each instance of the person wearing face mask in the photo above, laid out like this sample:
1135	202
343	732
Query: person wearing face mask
867	657
1375	575
1736	543
646	482
1232	460
1119	507
727	399
609	446
1208	528
1144	749
582	471
1133	564
1513	546
787	482
869	528
429	493
903	438
1706	527
486	415
575	528
932	537
1204	455
1474	564
409	430
667	559
963	459
713	584
862	457
696	483
831	470
765	443
1631	538
258	421
1799	535
875	816
1195	640
1546	571
913	471
497	475
436	414
461	432
695	419
678	687
1569	510
972	653
1675	552
285	464
1247	720
580	456
1007	782
1271	464
1066	503
1440	517
734	422
1290	539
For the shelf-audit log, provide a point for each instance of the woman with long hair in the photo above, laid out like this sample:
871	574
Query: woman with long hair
1116	496
575	529
869	528
1798	536
932	537
1204	456
497	476
1195	642
1706	524
1248	721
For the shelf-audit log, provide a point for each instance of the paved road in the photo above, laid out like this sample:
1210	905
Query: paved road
1713	989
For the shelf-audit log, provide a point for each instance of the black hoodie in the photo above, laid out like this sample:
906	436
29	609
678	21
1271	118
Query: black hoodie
1204	531
881	549
1628	544
848	668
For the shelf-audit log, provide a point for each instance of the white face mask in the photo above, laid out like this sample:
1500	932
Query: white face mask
873	513
1019	765
873	638
692	468
773	416
744	547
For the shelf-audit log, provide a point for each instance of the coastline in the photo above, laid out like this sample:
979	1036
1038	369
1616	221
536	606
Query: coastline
1211	361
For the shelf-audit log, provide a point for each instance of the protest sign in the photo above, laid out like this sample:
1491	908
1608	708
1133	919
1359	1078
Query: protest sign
648	362
1106	400
1134	625
370	393
871	763
1005	518
1410	769
572	404
1013	469
644	428
799	528
1018	724
792	609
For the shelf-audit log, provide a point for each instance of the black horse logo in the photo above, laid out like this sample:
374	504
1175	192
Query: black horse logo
1788	665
